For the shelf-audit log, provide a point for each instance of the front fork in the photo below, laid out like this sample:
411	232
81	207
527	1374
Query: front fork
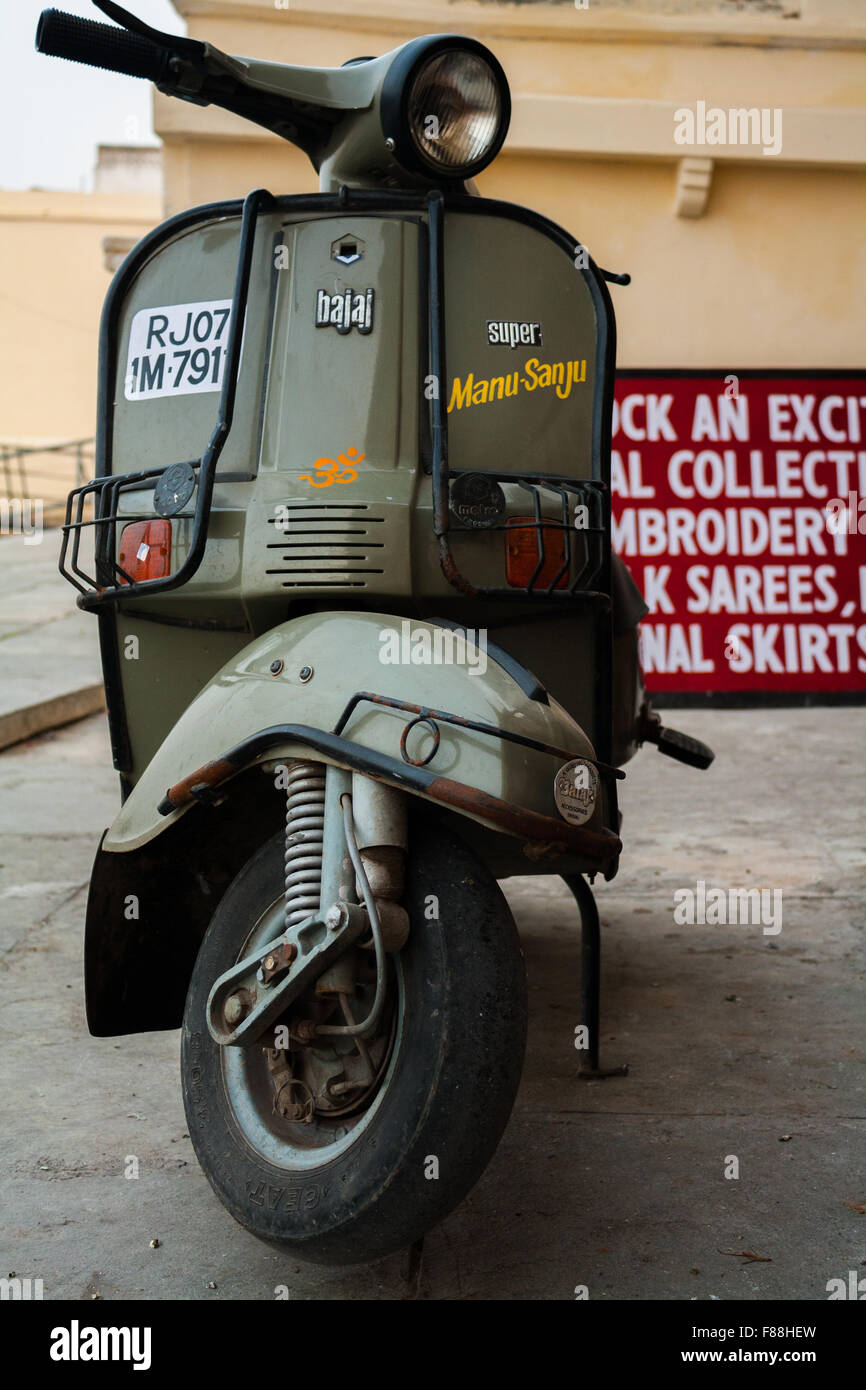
377	825
346	843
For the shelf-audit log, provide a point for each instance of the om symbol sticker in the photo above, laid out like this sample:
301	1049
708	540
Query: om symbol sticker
330	471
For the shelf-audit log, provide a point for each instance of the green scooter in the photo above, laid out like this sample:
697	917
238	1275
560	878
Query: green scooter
365	647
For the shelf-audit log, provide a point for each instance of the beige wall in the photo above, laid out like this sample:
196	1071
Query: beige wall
52	287
769	276
770	271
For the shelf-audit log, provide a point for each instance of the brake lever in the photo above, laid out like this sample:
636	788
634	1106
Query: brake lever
178	43
193	62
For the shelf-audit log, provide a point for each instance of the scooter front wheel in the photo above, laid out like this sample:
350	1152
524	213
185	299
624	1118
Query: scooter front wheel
344	1184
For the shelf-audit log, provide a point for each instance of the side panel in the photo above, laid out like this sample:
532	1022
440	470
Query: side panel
164	329
522	338
171	336
308	395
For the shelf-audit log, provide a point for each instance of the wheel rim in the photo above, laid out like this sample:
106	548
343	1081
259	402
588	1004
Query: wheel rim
249	1089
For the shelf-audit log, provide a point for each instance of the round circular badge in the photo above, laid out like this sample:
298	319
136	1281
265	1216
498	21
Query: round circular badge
575	788
476	500
174	489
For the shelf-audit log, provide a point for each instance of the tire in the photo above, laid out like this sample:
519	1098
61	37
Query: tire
453	1073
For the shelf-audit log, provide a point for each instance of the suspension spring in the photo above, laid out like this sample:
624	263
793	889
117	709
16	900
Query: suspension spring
305	819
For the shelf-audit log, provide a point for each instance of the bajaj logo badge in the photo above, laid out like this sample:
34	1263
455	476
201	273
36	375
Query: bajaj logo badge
345	311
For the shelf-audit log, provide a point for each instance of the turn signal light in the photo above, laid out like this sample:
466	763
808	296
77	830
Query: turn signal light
522	554
145	550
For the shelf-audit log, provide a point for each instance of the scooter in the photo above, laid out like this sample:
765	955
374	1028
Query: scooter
366	650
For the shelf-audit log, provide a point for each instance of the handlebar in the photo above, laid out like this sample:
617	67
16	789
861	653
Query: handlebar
299	104
62	35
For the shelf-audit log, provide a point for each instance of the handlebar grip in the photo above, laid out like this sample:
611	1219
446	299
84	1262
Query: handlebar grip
685	749
61	35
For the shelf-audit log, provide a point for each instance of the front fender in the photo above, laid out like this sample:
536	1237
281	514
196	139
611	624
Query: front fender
304	671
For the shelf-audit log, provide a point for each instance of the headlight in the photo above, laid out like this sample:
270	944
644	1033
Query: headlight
455	110
445	107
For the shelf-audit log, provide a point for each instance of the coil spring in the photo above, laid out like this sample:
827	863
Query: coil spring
305	819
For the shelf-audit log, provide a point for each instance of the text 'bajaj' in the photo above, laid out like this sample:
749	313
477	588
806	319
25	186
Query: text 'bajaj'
349	550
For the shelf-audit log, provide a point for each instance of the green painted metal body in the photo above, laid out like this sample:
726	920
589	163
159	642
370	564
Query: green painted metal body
193	661
324	537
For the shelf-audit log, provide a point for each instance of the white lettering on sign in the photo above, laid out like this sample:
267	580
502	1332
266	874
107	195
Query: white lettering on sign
177	350
644	417
742	515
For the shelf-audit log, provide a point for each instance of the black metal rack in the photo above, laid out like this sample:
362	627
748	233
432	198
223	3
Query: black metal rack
571	576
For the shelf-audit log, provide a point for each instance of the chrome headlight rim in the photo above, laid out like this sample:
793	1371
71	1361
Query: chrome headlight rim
394	106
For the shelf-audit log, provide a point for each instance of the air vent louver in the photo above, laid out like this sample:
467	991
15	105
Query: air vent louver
325	545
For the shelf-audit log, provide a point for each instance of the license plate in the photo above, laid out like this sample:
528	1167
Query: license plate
177	350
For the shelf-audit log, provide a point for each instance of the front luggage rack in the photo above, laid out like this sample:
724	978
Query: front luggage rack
109	580
109	577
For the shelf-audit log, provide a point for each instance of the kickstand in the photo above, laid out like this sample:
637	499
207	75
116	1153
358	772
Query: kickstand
590	978
412	1261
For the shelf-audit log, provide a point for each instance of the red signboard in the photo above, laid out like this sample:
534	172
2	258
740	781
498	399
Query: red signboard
739	505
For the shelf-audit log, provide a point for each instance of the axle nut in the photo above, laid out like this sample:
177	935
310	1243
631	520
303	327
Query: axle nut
236	1008
336	917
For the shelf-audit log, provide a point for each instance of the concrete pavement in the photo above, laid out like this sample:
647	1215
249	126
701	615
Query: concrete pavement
50	672
743	1046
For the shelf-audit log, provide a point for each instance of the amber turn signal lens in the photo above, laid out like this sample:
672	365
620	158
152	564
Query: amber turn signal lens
522	554
145	550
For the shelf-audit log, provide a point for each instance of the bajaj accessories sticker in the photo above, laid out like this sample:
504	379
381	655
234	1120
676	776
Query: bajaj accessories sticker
345	310
513	332
575	788
177	350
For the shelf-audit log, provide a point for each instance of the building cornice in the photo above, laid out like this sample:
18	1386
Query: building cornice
835	28
580	127
35	205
